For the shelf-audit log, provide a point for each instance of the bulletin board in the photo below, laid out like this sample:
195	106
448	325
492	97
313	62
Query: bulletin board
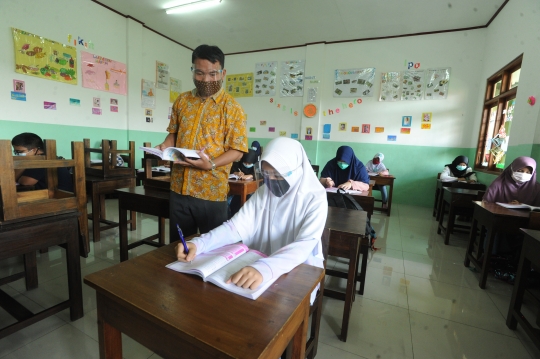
103	74
437	82
240	85
44	58
354	82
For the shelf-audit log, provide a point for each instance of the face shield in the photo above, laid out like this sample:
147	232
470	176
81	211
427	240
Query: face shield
278	183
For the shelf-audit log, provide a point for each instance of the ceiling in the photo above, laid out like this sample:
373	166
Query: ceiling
250	25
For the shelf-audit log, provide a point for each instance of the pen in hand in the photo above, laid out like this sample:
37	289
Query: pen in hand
186	250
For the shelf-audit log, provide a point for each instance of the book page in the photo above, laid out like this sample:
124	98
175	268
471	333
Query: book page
349	191
178	154
517	206
372	173
152	150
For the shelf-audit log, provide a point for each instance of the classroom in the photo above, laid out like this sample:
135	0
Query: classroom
449	316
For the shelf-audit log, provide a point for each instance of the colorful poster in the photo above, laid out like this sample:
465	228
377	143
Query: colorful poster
413	85
379	129
390	86
292	78
44	58
354	82
175	89
162	75
406	121
49	105
148	97
265	78
18	86
100	73
240	85
437	82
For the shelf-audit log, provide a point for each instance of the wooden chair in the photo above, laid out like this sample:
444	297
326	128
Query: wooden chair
19	206
149	178
108	167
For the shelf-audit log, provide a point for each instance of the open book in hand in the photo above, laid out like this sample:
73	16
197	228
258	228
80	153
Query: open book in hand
219	265
172	153
519	206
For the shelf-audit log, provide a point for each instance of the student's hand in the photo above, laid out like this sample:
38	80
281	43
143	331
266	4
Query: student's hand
515	202
239	174
247	277
182	257
461	179
329	182
246	177
161	146
347	185
472	181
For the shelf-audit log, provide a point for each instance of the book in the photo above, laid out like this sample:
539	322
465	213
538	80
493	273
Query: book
373	173
349	191
218	265
519	206
172	153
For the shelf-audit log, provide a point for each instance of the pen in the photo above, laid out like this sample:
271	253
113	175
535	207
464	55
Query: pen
186	250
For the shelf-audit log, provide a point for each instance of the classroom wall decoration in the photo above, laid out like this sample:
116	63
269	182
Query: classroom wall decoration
426	120
265	78
162	75
44	58
292	78
355	129
406	121
379	129
354	82
366	128
437	82
405	130
103	74
413	85
390	86
343	126
175	89
240	85
148	97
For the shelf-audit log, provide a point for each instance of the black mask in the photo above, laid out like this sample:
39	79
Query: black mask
277	187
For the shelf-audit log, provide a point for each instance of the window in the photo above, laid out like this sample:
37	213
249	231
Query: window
497	115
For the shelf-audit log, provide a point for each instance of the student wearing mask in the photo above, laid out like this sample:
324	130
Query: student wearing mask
283	219
256	146
377	167
345	171
458	170
245	170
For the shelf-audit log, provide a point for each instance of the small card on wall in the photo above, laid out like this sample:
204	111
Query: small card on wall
252	129
271	129
96	111
49	105
391	138
114	108
379	129
309	137
406	131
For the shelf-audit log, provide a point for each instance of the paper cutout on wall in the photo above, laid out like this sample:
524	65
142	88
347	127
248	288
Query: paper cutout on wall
405	130
18	96
240	85
162	75
44	58
354	82
413	85
148	97
327	128
343	126
49	105
437	82
292	78
390	86
175	90
406	121
366	128
103	74
265	78
379	129
18	86
391	138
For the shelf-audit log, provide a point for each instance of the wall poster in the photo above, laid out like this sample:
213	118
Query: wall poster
390	86
162	75
437	82
148	91
413	85
292	78
354	82
265	78
103	74
240	85
175	90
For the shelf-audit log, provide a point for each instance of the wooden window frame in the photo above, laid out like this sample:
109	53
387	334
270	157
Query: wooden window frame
506	94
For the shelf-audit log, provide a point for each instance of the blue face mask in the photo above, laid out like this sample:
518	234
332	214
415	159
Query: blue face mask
342	165
461	168
248	165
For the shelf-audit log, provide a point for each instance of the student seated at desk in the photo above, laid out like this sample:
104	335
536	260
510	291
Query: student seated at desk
376	166
256	146
345	171
283	219
244	170
30	144
458	170
516	184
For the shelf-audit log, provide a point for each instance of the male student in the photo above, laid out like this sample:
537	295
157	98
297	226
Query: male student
209	120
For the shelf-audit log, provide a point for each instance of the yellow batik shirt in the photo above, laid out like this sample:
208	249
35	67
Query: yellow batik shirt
217	124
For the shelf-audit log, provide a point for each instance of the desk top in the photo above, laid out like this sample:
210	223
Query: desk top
145	192
382	176
346	220
200	312
90	178
456	184
534	234
471	192
497	210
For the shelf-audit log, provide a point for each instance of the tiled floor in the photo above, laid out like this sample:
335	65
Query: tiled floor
420	301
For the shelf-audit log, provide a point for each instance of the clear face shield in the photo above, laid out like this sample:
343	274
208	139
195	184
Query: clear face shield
276	182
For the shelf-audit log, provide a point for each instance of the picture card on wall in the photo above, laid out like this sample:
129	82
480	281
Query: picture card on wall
265	78
326	136
18	86
354	82
271	129
426	126
355	129
96	102
283	133
366	128
114	108
406	131
406	121
49	105
74	102
390	86
292	78
96	111
391	138
162	75
437	82
294	135
309	137
263	123
309	130
240	85
343	126
379	129
327	128
252	129
114	101
412	85
18	96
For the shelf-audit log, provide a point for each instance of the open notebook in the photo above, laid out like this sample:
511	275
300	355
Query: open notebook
519	206
219	265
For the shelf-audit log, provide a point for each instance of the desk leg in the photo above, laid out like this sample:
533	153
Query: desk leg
30	270
487	256
110	338
132	220
300	337
243	196
450	223
364	250
440	212
390	199
470	246
436	202
440	219
96	209
122	225
161	230
74	272
350	292
517	294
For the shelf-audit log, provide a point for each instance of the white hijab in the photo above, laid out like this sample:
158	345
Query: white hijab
271	222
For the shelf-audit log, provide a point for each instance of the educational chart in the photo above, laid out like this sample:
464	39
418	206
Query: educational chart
437	82
390	86
175	90
44	58
354	82
162	75
265	78
292	78
103	74
240	85
413	85
148	91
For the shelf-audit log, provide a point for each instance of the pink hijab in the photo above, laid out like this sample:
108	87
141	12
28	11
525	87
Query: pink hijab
505	189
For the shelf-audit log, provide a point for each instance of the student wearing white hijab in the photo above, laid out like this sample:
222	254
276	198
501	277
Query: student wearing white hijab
283	219
376	166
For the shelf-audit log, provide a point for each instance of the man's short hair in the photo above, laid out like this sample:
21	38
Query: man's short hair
28	140
210	53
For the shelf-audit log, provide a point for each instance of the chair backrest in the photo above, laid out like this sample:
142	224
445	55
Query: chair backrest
439	175
108	166
325	241
315	169
149	161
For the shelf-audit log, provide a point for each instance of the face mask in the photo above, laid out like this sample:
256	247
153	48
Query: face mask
254	148
207	88
521	177
461	168
376	161
248	165
277	187
342	165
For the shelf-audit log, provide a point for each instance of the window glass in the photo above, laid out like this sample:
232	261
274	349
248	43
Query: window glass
497	89
514	78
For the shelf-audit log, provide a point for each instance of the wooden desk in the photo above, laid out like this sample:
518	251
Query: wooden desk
25	238
491	219
441	185
460	202
242	189
97	188
530	254
347	240
385	181
143	200
179	315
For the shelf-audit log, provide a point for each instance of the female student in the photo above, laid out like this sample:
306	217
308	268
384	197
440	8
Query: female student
245	170
376	167
256	146
345	171
283	219
458	170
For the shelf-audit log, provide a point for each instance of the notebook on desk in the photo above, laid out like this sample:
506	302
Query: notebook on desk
349	191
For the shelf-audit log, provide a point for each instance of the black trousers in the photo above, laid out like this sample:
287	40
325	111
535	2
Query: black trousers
194	215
